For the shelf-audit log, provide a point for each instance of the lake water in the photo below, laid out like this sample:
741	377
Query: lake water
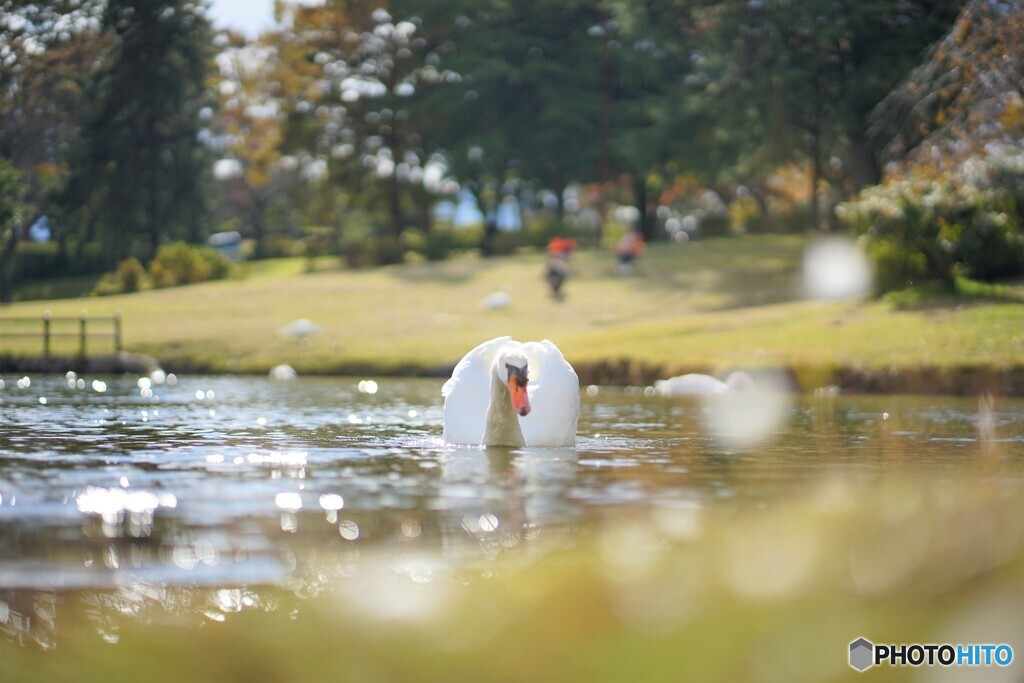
226	481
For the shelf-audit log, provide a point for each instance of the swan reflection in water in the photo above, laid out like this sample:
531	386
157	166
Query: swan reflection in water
486	505
501	497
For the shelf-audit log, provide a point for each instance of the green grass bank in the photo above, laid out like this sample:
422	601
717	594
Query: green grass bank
710	306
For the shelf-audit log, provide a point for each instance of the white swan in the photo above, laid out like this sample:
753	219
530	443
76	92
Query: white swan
703	385
507	393
283	373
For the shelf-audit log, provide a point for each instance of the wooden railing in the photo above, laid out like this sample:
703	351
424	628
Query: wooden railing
49	329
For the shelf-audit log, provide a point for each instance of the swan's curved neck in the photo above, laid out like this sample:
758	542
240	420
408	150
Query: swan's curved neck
502	424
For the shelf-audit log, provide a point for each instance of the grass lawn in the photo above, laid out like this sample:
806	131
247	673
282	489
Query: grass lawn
711	305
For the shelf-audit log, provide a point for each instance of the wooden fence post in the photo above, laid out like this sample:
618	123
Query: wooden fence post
46	334
81	334
117	332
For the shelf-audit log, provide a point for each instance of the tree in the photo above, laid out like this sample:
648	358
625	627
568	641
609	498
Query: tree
46	56
355	70
138	176
796	80
254	173
528	92
968	91
655	115
12	224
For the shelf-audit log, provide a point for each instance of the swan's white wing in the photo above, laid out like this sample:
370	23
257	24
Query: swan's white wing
468	392
554	397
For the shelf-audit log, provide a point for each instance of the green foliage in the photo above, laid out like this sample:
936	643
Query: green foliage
439	244
182	264
11	193
786	81
466	238
12	209
714	224
530	91
278	246
413	240
354	244
386	251
38	260
138	173
129	276
934	229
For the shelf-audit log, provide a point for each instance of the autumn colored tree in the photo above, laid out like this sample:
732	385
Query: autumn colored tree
353	71
968	91
253	171
46	56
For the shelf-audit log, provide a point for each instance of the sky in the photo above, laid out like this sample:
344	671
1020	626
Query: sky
247	16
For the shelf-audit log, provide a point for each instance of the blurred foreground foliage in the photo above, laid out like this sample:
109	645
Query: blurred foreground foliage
719	592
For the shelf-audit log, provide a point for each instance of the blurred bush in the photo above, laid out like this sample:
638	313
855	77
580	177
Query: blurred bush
412	240
283	246
36	260
787	217
179	263
386	251
969	223
439	245
466	238
713	224
128	276
746	216
354	241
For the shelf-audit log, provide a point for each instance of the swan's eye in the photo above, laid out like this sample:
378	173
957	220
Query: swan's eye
517	375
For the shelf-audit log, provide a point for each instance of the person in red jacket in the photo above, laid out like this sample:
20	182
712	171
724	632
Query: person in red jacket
559	250
628	249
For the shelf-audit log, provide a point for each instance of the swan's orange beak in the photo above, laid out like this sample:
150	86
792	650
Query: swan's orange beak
517	389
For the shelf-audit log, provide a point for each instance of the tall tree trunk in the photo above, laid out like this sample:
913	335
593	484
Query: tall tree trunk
8	251
815	131
490	229
643	206
759	191
422	200
7	269
154	229
394	206
864	167
559	190
259	230
257	210
815	180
